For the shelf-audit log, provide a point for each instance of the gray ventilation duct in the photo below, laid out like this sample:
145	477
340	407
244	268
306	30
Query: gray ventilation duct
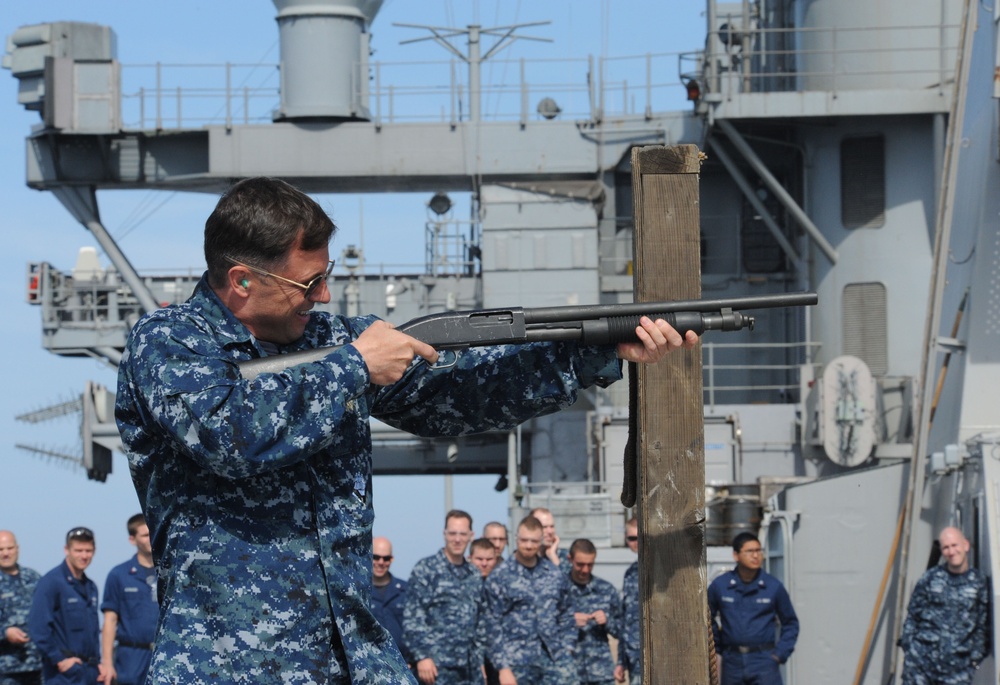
324	58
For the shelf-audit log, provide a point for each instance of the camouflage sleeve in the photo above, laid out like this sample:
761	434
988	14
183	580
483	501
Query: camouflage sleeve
620	661
417	631
980	647
480	643
497	605
566	622
628	656
913	611
493	388
187	384
614	605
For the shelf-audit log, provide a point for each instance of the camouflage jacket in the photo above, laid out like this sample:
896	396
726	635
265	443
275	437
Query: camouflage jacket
593	652
630	648
15	605
441	616
531	612
946	622
258	493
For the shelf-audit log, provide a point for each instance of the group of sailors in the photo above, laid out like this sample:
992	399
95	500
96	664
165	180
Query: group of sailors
468	614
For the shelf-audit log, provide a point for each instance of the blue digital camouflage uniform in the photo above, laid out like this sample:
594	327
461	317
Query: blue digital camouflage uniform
387	605
258	493
16	591
630	645
533	633
130	592
562	554
63	623
593	651
485	629
750	614
945	633
441	620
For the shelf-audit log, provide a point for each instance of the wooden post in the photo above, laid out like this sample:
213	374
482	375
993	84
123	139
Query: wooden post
671	450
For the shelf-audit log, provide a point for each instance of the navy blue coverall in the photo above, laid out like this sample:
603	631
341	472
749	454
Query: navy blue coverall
750	614
63	623
130	592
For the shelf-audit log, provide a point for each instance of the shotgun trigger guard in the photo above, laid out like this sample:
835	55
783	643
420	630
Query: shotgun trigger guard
446	360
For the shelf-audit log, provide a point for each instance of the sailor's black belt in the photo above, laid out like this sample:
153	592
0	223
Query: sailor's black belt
751	649
87	660
136	645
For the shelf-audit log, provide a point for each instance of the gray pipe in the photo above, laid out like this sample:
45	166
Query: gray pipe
772	183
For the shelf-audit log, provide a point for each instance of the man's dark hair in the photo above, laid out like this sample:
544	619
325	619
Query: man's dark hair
457	514
582	545
257	222
482	544
742	539
134	522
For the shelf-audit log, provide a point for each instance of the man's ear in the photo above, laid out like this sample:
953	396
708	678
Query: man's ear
239	278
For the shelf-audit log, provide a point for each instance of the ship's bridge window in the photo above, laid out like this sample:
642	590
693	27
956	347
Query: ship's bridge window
862	182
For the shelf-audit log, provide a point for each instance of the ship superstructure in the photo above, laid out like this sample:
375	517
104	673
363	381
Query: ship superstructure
851	149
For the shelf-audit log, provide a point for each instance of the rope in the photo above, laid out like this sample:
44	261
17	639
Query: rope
713	661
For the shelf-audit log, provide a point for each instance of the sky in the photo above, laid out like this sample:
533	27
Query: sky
43	497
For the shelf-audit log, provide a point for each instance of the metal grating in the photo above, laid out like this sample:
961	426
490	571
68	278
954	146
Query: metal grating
865	328
862	182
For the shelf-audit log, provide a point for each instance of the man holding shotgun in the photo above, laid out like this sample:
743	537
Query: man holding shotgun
257	491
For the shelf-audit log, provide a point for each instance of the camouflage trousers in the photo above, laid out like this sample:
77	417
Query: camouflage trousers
913	675
560	671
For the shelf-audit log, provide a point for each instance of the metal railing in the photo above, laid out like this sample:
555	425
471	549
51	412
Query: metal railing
762	381
170	96
451	247
738	60
830	59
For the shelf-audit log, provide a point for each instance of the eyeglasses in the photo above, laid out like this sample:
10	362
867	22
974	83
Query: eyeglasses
310	287
382	557
632	538
82	534
752	551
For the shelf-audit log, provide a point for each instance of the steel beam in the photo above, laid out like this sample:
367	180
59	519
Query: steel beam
772	183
